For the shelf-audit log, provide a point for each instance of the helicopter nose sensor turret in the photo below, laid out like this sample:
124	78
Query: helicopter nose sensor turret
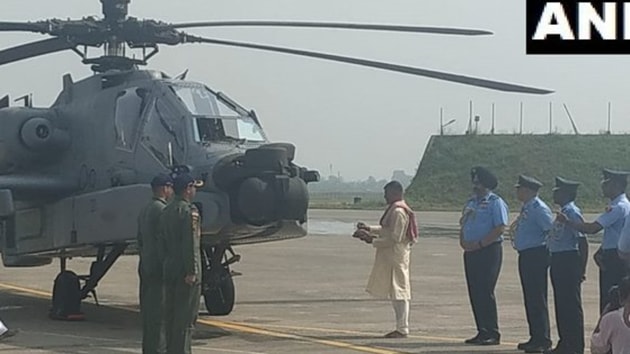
265	185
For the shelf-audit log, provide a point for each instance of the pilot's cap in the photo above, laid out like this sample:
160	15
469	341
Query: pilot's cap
566	185
609	175
528	182
484	177
161	180
182	181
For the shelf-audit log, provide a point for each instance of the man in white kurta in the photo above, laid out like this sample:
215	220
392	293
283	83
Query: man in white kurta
392	239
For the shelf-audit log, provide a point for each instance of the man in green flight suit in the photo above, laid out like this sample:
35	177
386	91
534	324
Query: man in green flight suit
150	266
180	233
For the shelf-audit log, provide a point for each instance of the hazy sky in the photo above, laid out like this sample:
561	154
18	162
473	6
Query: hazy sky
362	121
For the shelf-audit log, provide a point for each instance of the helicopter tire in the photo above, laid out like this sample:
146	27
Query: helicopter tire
66	299
219	297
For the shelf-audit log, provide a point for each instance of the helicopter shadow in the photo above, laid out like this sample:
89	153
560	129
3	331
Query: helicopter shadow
105	330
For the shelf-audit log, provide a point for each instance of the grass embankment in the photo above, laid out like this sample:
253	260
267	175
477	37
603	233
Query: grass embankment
442	181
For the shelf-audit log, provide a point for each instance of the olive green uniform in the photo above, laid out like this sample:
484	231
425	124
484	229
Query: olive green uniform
151	282
180	231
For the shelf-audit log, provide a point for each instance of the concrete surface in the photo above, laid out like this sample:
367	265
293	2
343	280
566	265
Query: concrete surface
297	296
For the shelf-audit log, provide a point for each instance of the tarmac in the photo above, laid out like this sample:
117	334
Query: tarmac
295	296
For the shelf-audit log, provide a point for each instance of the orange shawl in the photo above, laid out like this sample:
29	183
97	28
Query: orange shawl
412	229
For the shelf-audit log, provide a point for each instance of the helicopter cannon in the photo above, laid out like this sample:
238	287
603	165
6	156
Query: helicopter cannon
73	176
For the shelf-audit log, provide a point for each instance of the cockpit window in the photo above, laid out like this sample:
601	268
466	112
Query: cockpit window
202	102
227	129
214	119
129	106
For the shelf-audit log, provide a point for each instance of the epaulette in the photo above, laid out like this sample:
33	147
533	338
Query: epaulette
536	204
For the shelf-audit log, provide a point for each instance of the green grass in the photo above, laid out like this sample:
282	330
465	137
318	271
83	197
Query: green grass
442	181
345	200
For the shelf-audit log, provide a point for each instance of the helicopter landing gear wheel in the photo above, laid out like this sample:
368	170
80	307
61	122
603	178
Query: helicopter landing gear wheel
218	289
219	295
66	300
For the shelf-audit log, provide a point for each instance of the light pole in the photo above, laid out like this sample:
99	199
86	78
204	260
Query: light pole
476	124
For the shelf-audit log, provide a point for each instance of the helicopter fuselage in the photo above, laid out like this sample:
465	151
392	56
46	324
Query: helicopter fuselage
78	172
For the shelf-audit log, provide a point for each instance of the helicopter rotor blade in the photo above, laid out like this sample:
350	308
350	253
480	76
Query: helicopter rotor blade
467	80
34	49
353	26
38	27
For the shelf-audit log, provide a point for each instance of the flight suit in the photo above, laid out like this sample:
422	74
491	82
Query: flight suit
151	282
180	228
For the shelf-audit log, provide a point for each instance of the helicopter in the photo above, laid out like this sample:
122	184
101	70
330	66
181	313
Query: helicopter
74	175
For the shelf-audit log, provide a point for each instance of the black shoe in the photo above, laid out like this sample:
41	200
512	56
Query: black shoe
523	345
474	340
490	341
536	348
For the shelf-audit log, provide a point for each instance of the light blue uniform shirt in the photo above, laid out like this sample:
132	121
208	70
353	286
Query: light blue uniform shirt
482	215
613	220
624	239
563	237
534	224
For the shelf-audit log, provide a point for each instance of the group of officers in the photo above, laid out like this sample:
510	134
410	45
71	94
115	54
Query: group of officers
543	240
169	236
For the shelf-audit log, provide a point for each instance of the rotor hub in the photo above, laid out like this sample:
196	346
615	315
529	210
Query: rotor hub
115	10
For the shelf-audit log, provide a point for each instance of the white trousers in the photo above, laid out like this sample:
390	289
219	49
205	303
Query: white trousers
3	328
401	309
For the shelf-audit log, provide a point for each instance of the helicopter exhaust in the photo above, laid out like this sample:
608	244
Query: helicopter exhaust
29	138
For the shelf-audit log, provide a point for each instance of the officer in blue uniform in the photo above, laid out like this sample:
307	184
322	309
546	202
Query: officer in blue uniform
611	267
483	222
566	271
531	229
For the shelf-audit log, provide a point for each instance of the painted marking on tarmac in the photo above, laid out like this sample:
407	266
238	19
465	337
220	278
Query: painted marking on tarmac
246	328
344	331
271	333
239	327
223	350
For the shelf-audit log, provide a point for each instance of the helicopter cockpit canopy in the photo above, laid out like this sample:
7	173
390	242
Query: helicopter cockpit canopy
214	119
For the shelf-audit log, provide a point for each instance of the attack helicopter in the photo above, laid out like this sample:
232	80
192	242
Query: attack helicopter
74	175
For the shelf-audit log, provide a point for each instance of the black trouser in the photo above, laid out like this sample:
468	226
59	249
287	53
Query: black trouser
533	266
610	274
482	269
566	278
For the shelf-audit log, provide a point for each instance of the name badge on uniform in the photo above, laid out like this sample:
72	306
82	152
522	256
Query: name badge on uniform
196	227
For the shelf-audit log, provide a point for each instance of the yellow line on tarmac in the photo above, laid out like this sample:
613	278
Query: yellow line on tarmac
20	289
238	327
265	332
335	330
